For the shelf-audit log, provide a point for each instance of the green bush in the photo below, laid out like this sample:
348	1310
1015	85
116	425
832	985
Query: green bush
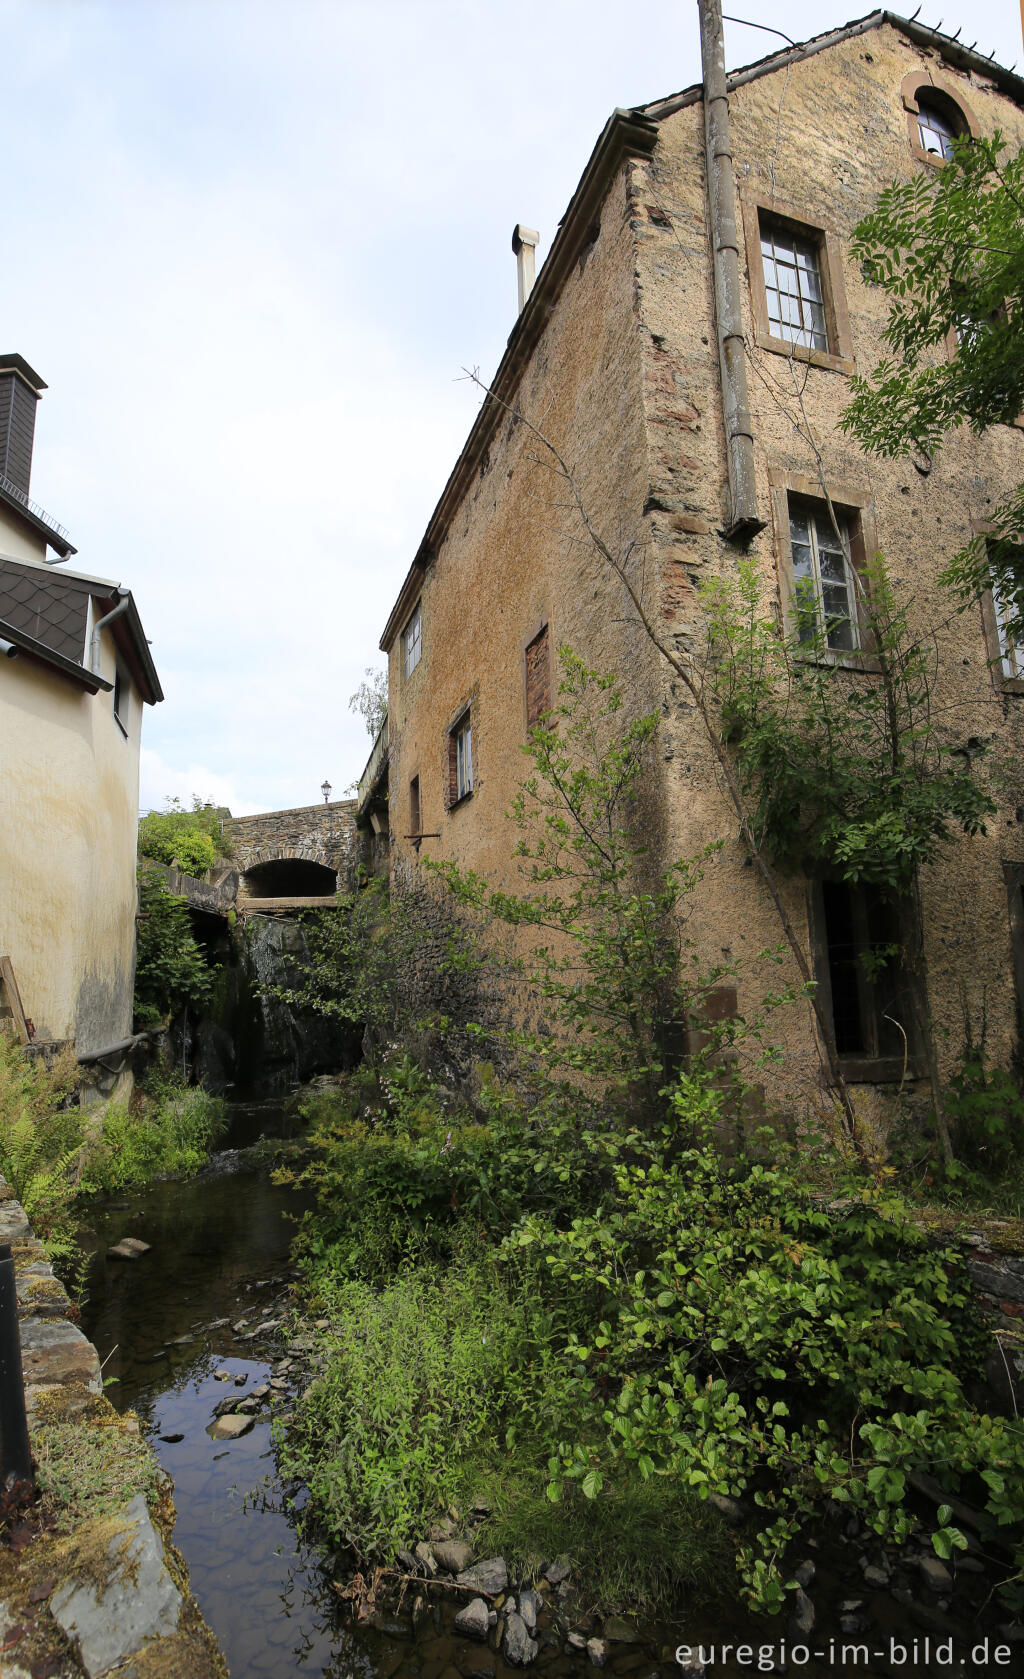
40	1138
424	1374
170	969
166	1132
191	838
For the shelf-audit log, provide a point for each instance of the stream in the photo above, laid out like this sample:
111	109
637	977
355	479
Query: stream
175	1331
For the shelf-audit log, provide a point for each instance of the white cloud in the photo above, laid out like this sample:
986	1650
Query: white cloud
159	782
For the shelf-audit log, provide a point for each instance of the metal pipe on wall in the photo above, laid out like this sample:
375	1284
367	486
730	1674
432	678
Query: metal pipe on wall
743	520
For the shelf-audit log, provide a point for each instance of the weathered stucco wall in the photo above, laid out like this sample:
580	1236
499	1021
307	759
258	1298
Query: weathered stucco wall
68	815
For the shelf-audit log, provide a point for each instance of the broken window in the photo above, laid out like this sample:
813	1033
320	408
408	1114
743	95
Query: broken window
824	580
538	679
412	640
460	760
793	287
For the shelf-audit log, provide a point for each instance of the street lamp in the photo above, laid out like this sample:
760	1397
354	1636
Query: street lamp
325	788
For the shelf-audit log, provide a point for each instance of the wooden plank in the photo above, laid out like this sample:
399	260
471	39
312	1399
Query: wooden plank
10	985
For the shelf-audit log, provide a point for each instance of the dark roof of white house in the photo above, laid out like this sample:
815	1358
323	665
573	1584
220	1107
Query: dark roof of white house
45	613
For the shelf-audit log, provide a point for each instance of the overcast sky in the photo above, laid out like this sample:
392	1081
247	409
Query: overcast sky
250	247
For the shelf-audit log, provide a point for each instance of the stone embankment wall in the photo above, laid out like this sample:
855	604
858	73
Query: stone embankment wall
101	1591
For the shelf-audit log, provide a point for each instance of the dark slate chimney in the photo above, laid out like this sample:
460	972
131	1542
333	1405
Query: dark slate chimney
20	390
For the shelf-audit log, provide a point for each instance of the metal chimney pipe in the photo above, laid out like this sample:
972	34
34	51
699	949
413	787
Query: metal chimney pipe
739	438
524	243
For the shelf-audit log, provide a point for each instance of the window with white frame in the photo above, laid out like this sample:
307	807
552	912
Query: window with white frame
412	640
793	287
935	130
824	580
463	751
1011	653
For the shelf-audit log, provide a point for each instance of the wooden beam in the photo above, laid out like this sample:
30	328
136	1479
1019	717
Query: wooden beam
26	1031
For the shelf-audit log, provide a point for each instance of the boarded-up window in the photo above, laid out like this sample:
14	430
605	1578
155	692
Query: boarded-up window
538	679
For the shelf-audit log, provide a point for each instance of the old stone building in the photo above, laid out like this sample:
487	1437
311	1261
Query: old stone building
616	357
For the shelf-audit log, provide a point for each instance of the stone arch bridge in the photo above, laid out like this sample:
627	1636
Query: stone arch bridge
293	859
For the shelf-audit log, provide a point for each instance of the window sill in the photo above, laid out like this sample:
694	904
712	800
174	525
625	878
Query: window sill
863	664
1010	684
462	800
801	353
880	1069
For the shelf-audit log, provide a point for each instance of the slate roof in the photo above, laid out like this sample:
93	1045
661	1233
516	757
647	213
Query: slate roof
47	605
45	612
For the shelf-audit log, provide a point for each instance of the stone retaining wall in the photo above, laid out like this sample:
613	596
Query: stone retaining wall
93	1594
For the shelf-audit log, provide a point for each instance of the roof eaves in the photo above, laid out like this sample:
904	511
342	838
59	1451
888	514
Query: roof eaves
46	655
42	526
1006	80
625	134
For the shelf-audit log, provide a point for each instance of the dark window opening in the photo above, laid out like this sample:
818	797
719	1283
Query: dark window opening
121	693
538	679
290	877
415	826
871	1002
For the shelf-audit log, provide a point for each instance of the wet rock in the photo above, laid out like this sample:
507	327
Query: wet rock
597	1651
577	1641
474	1620
875	1576
556	1572
520	1648
219	1323
279	1384
261	1392
453	1555
129	1247
935	1574
171	1439
231	1427
222	1376
620	1631
181	1341
242	1323
137	1601
687	1659
408	1562
225	1406
804	1575
241	1380
902	1595
424	1555
801	1621
490	1576
530	1605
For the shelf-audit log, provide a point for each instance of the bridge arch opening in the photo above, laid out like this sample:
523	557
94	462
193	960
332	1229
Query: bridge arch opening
290	877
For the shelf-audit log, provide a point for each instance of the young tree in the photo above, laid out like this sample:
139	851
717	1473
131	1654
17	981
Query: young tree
370	700
948	250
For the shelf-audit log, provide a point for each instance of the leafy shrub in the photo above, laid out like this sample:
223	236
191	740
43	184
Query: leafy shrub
191	838
428	1371
40	1137
170	970
165	1132
751	1340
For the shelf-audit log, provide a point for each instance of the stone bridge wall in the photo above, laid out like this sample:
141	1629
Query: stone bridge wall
325	834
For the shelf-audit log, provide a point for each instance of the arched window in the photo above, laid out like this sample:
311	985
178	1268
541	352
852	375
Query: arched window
937	114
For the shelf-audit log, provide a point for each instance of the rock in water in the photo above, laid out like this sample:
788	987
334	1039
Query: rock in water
129	1247
801	1622
520	1648
530	1605
597	1651
473	1621
231	1427
490	1576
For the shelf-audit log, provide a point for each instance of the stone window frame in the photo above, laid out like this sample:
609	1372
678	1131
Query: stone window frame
463	724
541	627
868	1068
855	502
945	94
838	358
415	618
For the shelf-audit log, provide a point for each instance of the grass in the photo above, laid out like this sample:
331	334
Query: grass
90	1466
636	1549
